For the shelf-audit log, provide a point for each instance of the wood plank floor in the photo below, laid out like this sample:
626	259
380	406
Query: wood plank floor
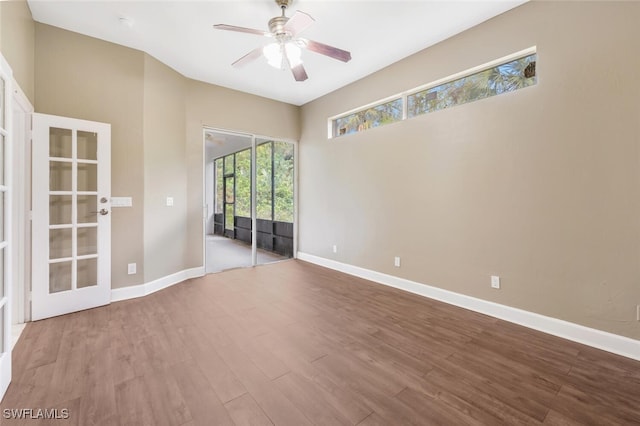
296	344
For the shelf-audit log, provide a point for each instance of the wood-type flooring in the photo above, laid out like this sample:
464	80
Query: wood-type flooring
296	344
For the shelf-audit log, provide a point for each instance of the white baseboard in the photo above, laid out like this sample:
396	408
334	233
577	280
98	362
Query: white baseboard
124	293
578	333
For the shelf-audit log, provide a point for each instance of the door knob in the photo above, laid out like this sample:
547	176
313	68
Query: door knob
102	212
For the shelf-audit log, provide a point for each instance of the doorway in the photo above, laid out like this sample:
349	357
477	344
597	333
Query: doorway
250	200
21	208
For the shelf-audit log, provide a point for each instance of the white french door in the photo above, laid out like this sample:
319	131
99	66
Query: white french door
6	97
71	227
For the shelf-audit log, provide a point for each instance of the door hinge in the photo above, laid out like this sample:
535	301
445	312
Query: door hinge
31	215
30	298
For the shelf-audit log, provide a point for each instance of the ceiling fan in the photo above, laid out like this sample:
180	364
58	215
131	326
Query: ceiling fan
286	49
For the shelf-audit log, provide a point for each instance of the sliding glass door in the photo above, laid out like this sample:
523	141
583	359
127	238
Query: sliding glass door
228	191
253	209
275	200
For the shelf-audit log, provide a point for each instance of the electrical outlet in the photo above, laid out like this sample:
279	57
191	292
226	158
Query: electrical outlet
638	313
169	201
495	281
396	261
335	248
131	268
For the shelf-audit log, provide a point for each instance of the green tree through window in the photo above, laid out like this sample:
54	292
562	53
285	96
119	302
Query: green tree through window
219	186
263	181
501	79
274	182
243	183
372	117
283	181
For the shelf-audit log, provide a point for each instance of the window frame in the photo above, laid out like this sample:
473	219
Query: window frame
331	122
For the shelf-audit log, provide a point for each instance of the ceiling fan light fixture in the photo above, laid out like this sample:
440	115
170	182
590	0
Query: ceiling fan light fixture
274	51
294	53
285	52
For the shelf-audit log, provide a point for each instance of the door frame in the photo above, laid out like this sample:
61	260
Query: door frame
7	252
254	239
22	209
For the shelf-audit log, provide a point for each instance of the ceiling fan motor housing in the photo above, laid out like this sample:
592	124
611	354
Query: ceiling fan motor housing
276	25
283	3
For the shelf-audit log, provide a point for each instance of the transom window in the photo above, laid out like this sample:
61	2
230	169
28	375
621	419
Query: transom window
502	76
375	116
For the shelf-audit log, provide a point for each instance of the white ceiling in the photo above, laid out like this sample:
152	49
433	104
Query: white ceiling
180	34
218	144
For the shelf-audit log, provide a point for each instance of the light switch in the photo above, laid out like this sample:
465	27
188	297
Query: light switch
121	202
169	201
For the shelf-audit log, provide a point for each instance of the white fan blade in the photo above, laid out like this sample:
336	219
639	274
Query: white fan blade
241	30
299	73
251	56
325	49
299	22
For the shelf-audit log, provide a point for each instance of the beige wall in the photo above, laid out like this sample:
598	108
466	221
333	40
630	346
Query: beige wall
221	108
165	169
156	118
540	186
82	77
17	42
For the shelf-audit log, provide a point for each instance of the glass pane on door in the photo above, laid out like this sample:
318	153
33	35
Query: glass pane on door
87	208
2	84
2	273
219	186
60	276
263	181
87	272
2	328
243	184
275	200
73	217
60	243
87	241
60	176
2	159
87	177
60	143
283	182
60	209
87	145
2	194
